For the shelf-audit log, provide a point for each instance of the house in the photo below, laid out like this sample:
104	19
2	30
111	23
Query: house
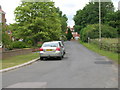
76	36
3	22
2	16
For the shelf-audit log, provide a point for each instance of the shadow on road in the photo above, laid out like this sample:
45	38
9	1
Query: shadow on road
53	59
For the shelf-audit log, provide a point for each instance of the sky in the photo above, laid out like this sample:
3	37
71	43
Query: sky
68	7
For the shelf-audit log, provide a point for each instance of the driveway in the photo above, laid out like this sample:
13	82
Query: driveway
80	68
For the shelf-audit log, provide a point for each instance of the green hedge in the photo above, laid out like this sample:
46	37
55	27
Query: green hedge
113	47
19	44
92	31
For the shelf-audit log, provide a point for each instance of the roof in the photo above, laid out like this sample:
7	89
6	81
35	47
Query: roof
1	10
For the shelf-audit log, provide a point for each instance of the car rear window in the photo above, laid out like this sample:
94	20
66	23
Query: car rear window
50	45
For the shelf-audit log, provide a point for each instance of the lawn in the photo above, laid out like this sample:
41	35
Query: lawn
16	60
111	55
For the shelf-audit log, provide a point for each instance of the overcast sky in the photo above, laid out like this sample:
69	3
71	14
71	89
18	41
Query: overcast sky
68	7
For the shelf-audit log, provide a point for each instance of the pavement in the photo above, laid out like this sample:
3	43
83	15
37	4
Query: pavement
80	68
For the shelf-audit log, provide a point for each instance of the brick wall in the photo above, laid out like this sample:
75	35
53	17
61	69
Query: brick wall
7	54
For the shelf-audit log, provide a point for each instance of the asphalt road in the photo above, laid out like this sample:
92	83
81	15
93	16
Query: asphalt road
80	68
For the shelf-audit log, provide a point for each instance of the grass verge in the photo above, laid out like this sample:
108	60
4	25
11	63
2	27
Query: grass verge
17	60
111	55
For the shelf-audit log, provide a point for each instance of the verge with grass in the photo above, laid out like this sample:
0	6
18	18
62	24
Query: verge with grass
111	55
17	60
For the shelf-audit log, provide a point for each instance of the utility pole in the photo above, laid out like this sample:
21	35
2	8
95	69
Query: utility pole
99	20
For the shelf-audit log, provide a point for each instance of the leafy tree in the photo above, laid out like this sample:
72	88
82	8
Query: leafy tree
6	41
90	14
63	19
37	21
113	19
92	31
69	34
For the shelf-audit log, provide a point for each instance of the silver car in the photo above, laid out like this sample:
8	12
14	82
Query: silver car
62	45
51	49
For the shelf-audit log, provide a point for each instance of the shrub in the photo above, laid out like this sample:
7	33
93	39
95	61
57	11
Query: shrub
6	40
10	47
30	42
39	45
92	31
19	44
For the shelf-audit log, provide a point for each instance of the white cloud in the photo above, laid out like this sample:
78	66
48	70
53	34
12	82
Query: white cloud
8	6
68	7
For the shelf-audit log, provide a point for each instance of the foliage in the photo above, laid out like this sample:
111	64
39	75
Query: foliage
69	34
37	22
90	14
39	45
19	44
92	31
6	41
113	19
63	19
107	44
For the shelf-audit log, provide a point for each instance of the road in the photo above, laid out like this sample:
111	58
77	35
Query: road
80	68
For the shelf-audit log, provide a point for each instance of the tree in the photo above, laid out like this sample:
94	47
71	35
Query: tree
63	19
69	34
92	31
113	19
37	21
6	41
90	14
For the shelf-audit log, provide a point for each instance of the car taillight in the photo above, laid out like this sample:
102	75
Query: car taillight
41	49
57	49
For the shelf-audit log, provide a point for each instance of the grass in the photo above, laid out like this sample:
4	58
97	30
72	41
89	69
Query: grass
111	55
16	60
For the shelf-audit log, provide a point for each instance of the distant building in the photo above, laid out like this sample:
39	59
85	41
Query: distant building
3	21
2	16
76	36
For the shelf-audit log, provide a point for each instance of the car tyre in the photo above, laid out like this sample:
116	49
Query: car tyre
60	58
64	53
41	58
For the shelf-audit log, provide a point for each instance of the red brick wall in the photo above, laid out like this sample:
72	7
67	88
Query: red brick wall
7	54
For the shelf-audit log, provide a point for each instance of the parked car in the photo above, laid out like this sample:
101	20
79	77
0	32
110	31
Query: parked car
51	49
62	45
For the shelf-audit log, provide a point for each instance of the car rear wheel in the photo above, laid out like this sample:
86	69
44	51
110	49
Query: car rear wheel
64	53
60	58
41	58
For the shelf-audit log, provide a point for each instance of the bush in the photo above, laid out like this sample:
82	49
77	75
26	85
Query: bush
10	47
19	44
6	40
92	31
39	45
30	42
